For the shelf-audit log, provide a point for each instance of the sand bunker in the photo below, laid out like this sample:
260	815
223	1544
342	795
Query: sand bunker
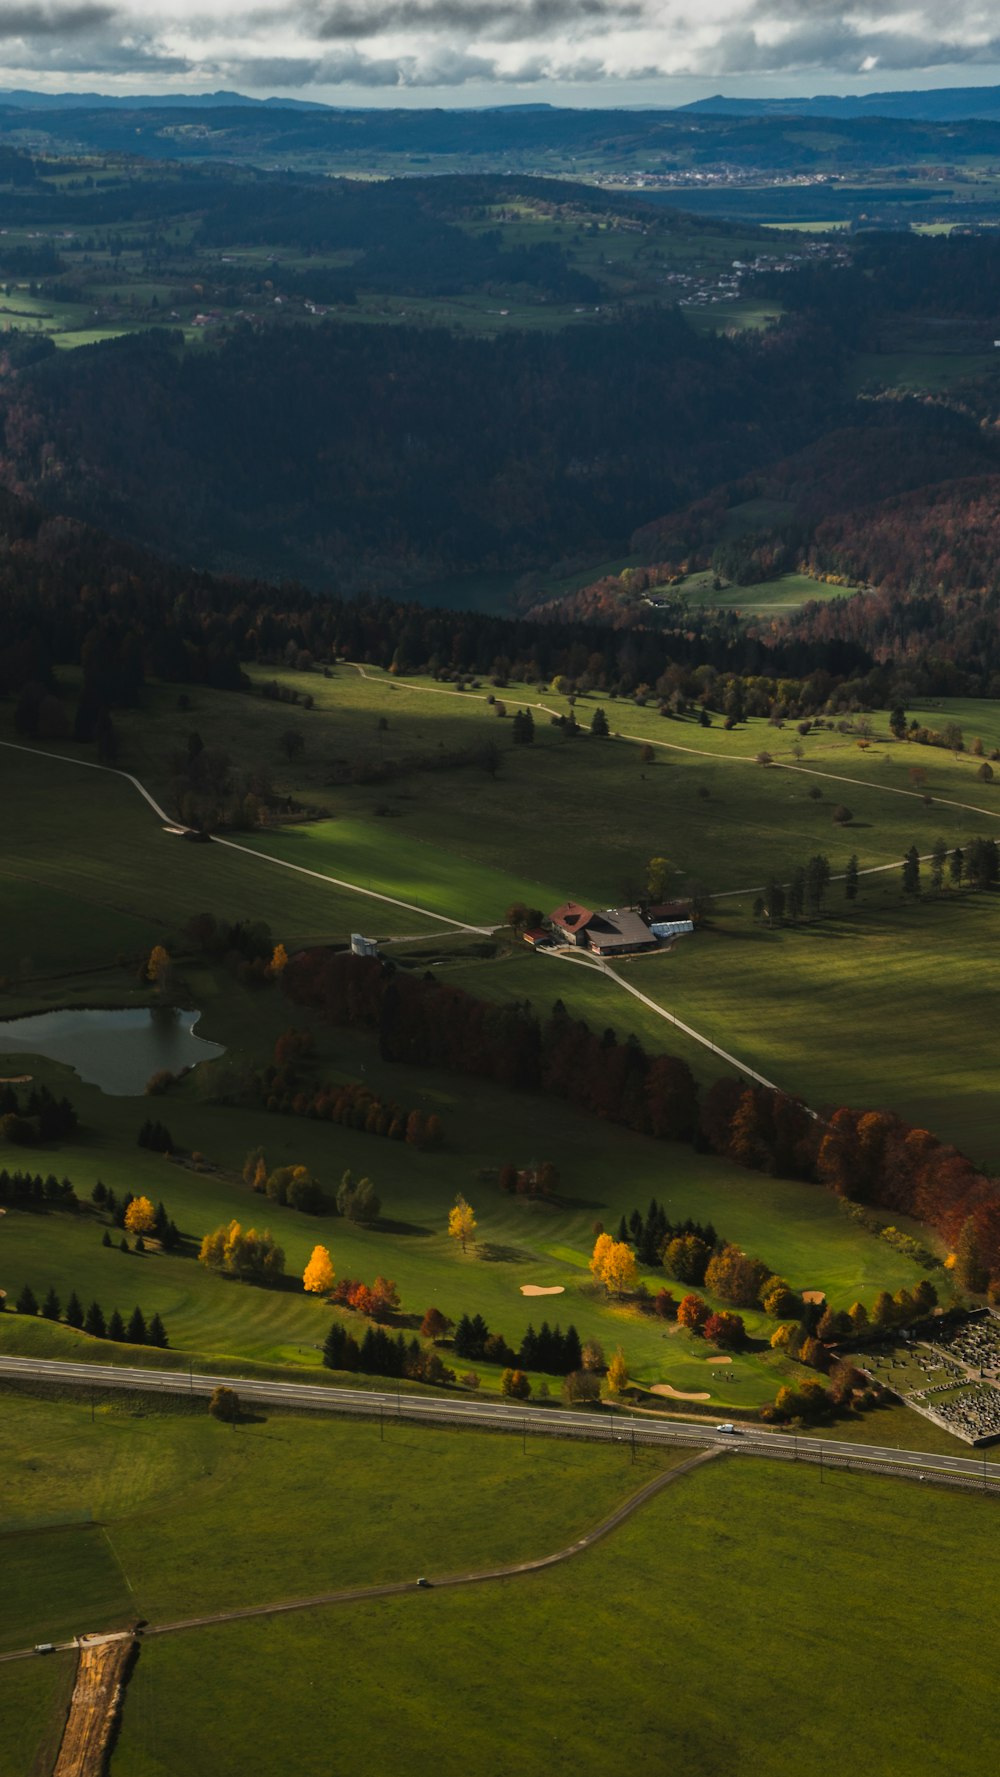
538	1289
676	1394
15	1079
718	1360
814	1296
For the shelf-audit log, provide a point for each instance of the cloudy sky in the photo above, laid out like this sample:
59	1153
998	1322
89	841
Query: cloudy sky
578	52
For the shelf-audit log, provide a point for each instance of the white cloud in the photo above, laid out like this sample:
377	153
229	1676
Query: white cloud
448	44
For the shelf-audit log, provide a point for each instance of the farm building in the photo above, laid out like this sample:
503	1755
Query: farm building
609	933
663	929
571	922
612	933
668	910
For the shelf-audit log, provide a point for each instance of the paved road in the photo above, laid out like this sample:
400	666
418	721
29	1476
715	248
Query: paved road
610	1426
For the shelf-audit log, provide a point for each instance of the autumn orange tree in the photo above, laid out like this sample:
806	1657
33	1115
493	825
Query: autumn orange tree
318	1276
461	1221
140	1216
279	960
692	1313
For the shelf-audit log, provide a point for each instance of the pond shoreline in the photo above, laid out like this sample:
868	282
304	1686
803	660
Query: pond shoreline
116	1048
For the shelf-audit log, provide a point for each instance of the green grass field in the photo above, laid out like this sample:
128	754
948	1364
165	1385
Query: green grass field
192	1516
673	1639
785	595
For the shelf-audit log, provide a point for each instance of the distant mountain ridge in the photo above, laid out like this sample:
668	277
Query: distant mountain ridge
937	105
26	100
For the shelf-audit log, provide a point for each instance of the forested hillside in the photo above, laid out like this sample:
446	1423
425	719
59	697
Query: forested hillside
360	456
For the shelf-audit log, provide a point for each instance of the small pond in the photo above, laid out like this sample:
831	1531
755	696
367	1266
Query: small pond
114	1050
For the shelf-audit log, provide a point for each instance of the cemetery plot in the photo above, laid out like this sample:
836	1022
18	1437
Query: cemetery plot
971	1412
952	1377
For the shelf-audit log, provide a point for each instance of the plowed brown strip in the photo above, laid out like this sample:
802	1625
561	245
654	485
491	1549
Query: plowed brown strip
100	1680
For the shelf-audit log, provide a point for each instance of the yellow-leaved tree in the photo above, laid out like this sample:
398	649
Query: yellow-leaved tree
318	1276
617	1373
621	1273
602	1246
140	1216
158	964
613	1264
461	1221
279	960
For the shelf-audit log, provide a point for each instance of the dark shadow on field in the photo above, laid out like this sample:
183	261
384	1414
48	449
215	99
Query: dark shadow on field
385	1225
505	1255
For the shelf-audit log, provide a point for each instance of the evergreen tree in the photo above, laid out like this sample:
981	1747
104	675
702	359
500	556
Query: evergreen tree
817	881
116	1327
622	1234
27	1302
94	1323
156	1333
774	902
136	1333
911	872
599	724
50	1306
122	1245
956	867
851	879
529	1350
99	1194
74	1311
572	1354
105	1238
462	1342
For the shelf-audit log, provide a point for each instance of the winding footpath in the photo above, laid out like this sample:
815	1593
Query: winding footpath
394	1588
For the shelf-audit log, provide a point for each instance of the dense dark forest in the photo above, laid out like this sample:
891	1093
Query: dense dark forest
362	457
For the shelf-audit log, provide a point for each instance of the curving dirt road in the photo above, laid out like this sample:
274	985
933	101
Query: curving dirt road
397	1588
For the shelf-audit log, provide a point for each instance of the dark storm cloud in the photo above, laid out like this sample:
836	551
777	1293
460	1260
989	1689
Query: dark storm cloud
53	21
843	48
499	20
437	68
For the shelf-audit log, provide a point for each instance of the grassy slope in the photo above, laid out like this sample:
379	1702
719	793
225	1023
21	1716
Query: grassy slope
723	1625
605	1172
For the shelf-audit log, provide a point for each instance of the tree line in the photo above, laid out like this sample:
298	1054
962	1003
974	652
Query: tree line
136	1331
424	1022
